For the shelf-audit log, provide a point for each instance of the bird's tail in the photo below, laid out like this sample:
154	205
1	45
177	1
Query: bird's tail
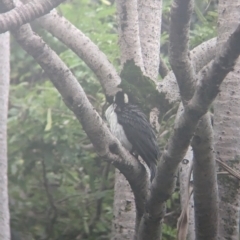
153	169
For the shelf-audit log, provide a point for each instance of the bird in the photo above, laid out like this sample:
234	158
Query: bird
131	127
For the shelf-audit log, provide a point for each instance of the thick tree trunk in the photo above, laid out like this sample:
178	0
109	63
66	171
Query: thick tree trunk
227	128
124	210
4	89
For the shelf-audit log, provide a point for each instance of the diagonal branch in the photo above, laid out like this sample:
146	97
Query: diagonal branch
164	182
205	202
80	44
75	98
26	13
200	56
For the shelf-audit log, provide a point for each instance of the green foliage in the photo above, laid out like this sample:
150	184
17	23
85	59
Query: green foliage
56	186
47	161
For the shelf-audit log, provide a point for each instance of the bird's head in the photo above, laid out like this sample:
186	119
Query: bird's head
121	99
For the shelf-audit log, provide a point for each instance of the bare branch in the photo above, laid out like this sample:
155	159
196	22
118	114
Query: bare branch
150	13
229	170
185	178
205	202
164	182
181	12
128	28
205	181
201	55
75	98
80	44
26	13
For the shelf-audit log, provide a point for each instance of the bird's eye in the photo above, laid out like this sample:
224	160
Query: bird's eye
125	98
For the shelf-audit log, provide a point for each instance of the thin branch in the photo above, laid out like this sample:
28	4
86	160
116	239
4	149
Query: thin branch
26	13
229	170
89	52
164	182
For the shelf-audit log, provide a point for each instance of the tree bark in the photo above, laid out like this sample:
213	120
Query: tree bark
4	91
25	13
128	28
123	227
79	43
150	12
227	128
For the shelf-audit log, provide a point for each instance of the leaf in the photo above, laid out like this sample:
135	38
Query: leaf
106	2
199	14
49	120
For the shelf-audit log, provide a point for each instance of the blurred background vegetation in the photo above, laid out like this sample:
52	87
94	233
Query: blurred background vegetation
59	188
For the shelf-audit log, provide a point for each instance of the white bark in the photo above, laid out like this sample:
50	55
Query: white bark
200	56
128	28
25	13
124	210
4	91
150	13
80	44
227	128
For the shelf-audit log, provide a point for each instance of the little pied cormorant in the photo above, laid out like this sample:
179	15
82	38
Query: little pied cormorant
133	130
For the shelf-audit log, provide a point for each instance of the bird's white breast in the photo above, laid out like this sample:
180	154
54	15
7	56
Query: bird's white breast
116	128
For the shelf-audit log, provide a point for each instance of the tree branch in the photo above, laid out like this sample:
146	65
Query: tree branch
181	12
205	181
4	93
206	91
200	56
80	44
205	202
26	13
185	177
150	13
74	97
128	28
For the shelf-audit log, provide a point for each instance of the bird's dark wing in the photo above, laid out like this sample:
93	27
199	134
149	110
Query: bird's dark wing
140	134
